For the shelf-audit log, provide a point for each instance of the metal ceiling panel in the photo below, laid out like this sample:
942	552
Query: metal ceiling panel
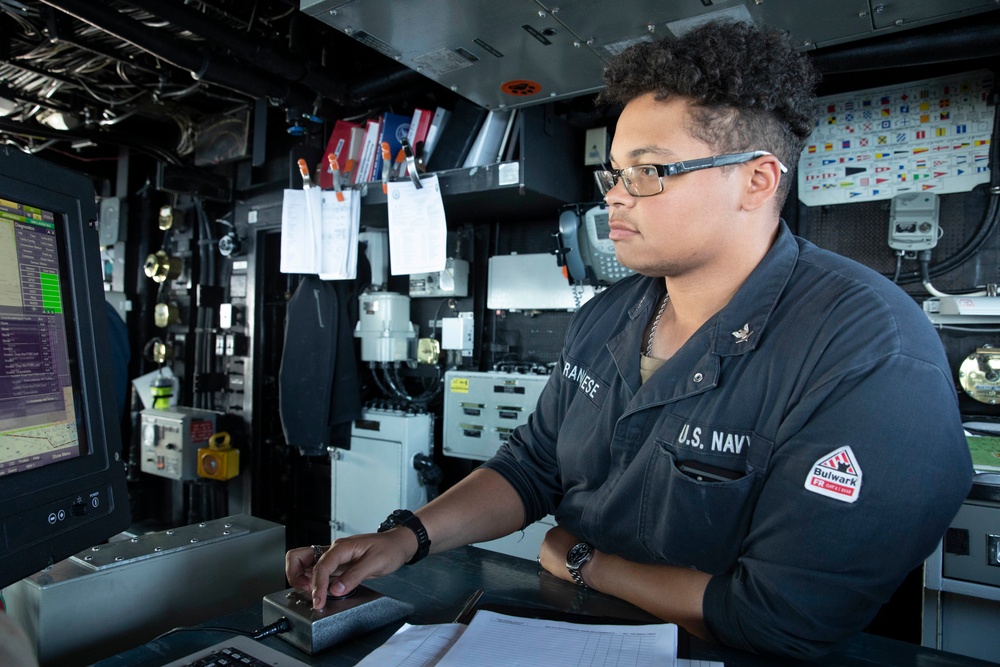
522	52
900	14
497	54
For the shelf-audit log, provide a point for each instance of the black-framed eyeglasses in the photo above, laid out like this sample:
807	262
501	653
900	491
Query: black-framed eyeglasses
646	180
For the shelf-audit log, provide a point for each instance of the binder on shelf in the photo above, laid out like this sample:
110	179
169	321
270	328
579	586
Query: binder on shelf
512	148
339	146
438	122
457	140
487	144
350	167
507	136
369	151
394	127
417	136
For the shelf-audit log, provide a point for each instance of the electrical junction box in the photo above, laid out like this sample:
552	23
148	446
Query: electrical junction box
482	409
913	221
452	281
170	440
458	333
378	474
384	327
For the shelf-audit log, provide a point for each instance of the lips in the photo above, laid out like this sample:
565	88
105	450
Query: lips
620	230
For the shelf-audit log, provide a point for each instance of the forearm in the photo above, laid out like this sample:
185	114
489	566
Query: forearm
481	507
674	594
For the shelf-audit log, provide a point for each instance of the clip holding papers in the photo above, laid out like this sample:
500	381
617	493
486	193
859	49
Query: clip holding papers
335	170
411	163
386	167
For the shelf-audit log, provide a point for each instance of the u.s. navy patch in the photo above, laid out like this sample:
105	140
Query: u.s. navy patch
836	475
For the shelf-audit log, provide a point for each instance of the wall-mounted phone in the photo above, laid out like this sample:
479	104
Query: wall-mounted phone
590	254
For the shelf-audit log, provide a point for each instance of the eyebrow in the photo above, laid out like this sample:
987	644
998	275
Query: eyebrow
646	150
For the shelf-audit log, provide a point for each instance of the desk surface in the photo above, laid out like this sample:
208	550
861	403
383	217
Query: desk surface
439	586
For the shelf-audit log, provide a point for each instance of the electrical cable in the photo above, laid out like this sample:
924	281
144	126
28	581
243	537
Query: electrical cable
925	259
278	627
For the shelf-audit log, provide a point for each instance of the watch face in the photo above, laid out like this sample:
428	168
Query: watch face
579	554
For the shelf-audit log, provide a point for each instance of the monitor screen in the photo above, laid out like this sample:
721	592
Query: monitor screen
62	481
38	424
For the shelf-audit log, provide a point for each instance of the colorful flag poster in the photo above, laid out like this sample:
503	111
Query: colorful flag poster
957	132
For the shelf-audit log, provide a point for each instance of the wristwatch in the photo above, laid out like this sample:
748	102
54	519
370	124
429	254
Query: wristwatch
408	519
577	557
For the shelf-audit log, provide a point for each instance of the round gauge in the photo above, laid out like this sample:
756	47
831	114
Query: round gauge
979	375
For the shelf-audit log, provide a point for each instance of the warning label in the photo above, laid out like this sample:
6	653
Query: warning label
836	475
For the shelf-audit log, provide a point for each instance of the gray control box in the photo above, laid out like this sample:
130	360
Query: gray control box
482	409
170	441
114	596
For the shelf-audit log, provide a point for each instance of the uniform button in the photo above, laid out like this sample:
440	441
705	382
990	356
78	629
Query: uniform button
698	377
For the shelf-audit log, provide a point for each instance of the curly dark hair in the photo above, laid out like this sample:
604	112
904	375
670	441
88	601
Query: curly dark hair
751	90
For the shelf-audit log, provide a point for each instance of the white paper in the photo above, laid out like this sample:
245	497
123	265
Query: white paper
418	232
340	221
300	231
500	640
319	234
414	646
425	645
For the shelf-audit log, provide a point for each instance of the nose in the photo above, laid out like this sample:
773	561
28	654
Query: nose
618	193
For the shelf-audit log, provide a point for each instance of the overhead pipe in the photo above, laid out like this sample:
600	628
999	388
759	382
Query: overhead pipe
971	40
239	77
282	64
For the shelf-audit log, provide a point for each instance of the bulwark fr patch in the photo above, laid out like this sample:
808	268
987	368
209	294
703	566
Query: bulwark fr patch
836	475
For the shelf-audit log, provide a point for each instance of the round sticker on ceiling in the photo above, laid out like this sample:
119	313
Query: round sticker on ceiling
521	87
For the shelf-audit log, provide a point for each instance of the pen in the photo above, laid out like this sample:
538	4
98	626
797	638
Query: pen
386	166
469	609
335	170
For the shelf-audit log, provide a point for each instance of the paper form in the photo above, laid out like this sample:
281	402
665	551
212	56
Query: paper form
425	645
298	242
320	234
339	233
415	646
418	232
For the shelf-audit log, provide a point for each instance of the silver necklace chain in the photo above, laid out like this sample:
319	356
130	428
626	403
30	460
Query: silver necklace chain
656	322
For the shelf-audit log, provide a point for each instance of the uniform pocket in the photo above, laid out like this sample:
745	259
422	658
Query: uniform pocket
692	523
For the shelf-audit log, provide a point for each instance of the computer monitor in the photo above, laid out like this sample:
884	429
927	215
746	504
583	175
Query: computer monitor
62	480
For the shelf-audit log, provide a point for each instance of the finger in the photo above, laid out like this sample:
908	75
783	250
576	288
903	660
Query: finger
298	563
326	572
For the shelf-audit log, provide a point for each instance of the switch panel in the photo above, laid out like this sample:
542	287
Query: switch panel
981	561
993	550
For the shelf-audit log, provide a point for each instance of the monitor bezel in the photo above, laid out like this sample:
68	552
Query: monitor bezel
31	181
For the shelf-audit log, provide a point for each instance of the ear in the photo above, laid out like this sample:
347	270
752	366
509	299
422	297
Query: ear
763	182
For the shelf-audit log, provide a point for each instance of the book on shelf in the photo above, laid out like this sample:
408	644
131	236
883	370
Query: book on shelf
511	149
394	127
339	146
350	166
417	136
456	141
438	122
507	136
487	144
369	149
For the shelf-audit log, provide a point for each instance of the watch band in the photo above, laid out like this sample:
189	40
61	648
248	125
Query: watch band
403	517
576	558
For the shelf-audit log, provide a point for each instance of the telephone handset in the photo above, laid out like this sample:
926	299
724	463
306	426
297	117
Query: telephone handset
591	254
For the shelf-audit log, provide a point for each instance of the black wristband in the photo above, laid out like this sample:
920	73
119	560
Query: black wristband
408	519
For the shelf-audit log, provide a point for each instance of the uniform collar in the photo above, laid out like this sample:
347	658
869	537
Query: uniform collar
741	323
